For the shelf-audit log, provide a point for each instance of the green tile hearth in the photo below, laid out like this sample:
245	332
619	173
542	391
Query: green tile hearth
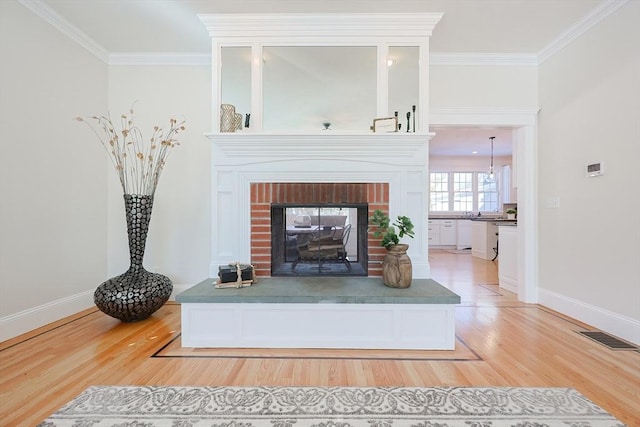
321	290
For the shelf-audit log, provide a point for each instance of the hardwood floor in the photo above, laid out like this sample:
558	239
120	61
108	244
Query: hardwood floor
501	342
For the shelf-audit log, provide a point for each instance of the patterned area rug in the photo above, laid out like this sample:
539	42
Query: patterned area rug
114	406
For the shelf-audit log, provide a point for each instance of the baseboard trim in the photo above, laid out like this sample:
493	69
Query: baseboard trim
179	288
607	321
27	320
36	317
508	285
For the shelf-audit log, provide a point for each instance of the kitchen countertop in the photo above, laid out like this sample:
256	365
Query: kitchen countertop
447	217
477	218
494	220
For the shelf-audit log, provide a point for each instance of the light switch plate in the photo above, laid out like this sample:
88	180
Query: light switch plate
594	169
553	202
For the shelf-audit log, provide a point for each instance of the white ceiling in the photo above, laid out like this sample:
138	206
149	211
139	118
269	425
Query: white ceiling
463	141
468	27
481	26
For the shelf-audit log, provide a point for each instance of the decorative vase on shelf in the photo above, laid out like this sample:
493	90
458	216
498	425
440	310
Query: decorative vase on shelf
237	121
397	270
227	118
137	293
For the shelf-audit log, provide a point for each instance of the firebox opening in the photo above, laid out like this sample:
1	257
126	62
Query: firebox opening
319	240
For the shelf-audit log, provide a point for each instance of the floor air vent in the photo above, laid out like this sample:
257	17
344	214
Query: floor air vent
605	339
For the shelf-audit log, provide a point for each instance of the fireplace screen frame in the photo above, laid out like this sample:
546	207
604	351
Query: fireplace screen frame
280	266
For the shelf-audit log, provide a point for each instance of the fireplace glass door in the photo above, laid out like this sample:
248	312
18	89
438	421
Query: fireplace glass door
319	240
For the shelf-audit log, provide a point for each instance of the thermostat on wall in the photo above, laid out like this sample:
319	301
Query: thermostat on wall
595	169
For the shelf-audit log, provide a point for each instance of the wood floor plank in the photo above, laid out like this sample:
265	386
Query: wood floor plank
507	343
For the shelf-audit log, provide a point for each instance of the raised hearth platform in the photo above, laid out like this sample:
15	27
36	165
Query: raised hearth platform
327	312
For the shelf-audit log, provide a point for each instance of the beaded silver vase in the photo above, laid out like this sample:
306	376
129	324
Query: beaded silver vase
136	294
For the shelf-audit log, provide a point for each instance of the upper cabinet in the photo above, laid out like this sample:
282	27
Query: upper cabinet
304	73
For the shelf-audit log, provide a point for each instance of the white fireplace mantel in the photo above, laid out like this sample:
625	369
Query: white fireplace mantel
406	148
241	159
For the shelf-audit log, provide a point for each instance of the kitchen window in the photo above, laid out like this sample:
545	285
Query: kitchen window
487	193
439	191
462	192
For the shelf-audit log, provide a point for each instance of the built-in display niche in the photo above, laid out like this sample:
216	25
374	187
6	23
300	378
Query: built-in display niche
312	240
314	88
235	76
310	73
403	65
318	87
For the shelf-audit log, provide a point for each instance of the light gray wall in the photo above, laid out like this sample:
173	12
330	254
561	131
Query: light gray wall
53	186
483	86
590	111
179	240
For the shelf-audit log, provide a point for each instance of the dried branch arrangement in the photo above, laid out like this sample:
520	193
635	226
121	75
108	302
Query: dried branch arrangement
137	162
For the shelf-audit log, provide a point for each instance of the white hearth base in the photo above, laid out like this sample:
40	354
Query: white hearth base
372	326
354	312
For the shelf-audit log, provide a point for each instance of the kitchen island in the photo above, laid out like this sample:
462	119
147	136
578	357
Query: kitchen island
484	236
508	265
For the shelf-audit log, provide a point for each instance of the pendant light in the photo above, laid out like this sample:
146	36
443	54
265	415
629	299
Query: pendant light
491	177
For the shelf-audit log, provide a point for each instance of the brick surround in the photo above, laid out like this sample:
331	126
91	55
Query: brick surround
264	194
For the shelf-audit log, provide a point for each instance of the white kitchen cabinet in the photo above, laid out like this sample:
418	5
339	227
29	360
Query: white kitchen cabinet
434	232
508	258
448	232
514	164
442	232
508	190
484	239
505	180
464	234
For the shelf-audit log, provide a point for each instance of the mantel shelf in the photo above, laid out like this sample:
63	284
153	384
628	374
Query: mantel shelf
327	145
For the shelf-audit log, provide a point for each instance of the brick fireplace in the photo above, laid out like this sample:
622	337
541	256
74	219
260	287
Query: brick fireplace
263	195
252	171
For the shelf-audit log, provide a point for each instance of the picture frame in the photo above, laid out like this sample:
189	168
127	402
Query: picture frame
385	124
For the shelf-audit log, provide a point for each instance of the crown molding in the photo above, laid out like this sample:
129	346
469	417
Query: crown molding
311	26
595	16
67	28
188	59
436	59
475	59
411	24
